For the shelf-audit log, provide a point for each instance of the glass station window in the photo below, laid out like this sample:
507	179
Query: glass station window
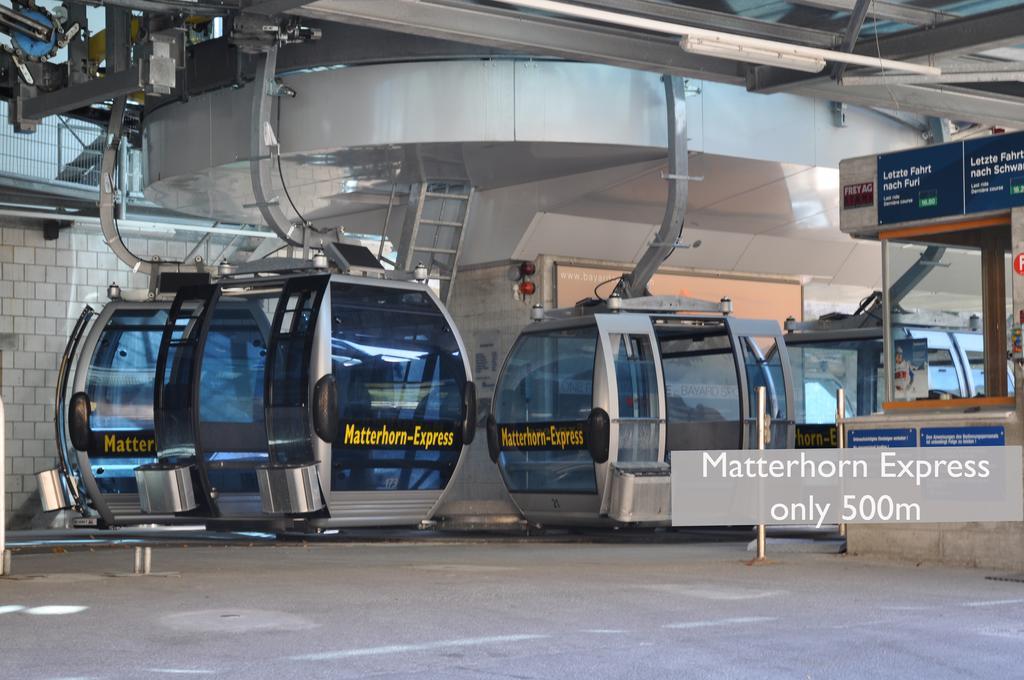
938	315
821	368
398	365
120	383
549	378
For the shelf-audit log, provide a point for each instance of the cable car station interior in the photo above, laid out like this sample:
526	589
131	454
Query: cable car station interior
354	338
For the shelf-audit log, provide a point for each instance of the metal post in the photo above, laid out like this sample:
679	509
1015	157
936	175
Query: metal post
60	146
841	434
387	220
761	403
887	337
5	557
142	559
122	179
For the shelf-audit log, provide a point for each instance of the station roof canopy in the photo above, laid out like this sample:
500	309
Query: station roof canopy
958	60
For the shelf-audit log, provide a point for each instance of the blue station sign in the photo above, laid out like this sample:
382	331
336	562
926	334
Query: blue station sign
961	178
920	184
980	435
994	168
882	438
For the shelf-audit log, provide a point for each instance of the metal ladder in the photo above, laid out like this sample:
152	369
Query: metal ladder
435	221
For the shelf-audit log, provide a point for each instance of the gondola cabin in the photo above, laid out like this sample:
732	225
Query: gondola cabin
587	410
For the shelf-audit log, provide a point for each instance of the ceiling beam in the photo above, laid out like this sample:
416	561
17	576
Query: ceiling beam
527	34
857	16
955	103
890	11
721	21
967	35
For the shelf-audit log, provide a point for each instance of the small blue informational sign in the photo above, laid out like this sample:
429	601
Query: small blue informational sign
885	438
921	183
993	173
987	435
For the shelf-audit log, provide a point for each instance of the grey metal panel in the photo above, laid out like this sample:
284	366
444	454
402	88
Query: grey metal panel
378	508
398	122
126	508
779	131
399	104
561	509
239	505
554	102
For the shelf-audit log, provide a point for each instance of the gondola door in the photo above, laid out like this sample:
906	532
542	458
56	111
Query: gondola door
301	399
763	361
633	391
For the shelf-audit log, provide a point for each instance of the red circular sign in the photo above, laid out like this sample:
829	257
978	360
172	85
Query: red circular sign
1018	263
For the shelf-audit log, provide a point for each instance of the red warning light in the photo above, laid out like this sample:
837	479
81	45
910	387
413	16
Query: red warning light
527	269
527	288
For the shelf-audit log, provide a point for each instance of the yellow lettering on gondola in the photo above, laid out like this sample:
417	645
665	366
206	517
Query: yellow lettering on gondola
386	436
114	444
552	437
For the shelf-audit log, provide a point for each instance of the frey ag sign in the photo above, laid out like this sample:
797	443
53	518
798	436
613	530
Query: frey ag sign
861	195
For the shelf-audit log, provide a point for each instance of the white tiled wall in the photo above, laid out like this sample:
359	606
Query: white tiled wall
44	286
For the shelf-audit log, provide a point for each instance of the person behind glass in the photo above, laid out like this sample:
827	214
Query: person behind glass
903	376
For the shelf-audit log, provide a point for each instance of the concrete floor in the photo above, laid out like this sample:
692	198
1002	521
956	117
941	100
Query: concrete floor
502	609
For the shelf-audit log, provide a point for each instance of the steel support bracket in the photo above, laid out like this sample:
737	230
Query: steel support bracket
635	283
152	75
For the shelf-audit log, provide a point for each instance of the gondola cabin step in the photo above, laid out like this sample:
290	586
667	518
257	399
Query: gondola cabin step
165	487
640	492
